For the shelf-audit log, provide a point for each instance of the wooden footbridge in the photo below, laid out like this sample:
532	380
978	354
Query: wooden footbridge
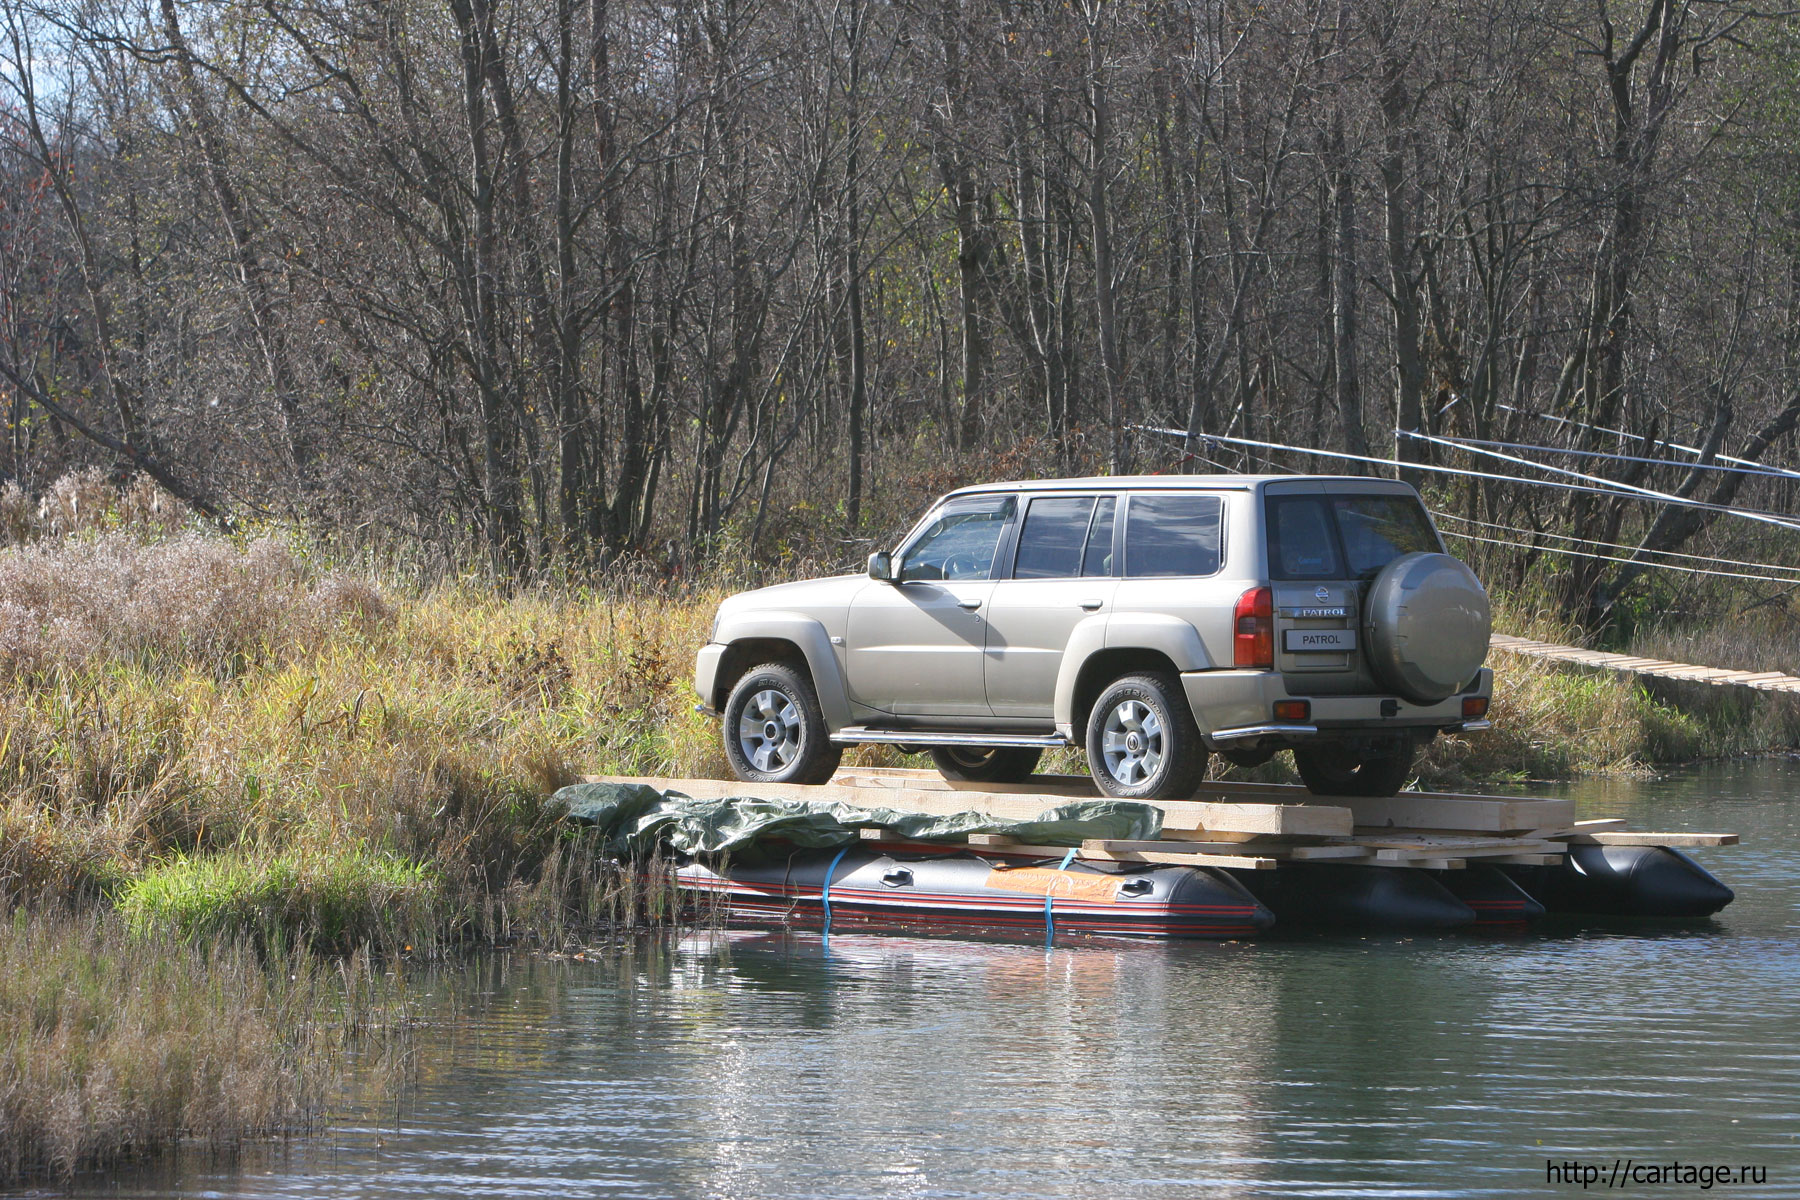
1765	681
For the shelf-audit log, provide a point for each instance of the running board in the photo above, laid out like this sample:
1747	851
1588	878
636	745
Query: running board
923	737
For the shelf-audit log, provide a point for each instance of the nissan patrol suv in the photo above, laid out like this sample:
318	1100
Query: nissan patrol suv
1151	621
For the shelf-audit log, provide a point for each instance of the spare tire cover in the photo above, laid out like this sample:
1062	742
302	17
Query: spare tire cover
1427	626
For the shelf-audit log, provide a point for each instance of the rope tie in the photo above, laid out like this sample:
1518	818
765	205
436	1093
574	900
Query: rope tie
825	895
1049	912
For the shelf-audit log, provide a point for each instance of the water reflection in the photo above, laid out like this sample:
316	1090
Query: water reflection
764	1064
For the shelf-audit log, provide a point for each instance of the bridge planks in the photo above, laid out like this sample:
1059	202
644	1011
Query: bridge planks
1765	681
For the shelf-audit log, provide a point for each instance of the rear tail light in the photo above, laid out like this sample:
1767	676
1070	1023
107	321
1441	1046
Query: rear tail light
1253	629
1474	706
1293	710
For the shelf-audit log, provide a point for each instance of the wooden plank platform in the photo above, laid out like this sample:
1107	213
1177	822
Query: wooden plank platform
1290	820
1766	681
1244	826
1412	810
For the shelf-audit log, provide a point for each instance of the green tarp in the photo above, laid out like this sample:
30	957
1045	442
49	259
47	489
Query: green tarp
635	818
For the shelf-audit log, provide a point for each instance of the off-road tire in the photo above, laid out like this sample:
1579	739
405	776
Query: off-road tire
986	764
791	739
1331	772
1168	759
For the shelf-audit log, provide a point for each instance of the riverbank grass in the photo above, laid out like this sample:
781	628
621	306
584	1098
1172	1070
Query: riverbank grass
113	1046
336	902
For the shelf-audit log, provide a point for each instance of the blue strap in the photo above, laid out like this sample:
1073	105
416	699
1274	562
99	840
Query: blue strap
1050	913
825	895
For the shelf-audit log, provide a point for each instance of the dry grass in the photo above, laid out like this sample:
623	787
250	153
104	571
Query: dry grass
192	701
112	1046
192	599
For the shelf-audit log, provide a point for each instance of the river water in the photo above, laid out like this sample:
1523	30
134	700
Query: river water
763	1064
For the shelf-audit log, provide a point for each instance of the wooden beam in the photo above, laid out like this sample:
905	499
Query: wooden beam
1630	838
1116	845
1077	787
1310	853
1189	859
1445	843
1211	835
1421	810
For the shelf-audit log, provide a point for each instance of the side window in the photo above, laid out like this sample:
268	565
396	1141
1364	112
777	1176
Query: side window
1097	558
960	540
1301	543
1172	534
1053	537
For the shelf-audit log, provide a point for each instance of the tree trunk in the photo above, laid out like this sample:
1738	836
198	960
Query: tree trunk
1343	302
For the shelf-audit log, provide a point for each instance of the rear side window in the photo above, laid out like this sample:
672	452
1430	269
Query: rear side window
1053	537
1345	537
1170	535
1097	559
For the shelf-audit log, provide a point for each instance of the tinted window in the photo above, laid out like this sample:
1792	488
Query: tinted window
1097	558
1301	542
1051	542
1345	537
959	542
1172	535
1378	529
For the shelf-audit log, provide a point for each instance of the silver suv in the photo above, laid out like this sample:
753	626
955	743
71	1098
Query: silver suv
1151	621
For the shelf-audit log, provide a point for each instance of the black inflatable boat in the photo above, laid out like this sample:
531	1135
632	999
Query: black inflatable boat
962	889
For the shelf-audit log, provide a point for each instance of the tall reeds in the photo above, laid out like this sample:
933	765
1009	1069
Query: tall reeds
113	1046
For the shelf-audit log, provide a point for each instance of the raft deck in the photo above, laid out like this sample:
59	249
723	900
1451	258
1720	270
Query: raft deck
1254	826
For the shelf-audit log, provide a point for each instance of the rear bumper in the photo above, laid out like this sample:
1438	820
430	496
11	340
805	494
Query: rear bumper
1235	710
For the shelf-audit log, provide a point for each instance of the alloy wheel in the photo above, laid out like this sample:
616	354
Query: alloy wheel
769	730
1133	742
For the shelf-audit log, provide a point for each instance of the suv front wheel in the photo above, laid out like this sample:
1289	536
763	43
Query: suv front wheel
1334	771
1142	742
775	731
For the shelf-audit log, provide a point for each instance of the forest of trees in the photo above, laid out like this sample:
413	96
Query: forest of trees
576	280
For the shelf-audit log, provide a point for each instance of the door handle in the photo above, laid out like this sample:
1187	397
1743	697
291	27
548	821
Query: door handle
968	604
1091	605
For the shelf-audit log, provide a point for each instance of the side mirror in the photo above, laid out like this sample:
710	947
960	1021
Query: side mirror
881	566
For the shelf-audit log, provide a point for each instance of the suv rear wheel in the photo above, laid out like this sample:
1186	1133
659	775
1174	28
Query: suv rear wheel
1142	742
775	731
985	764
1333	771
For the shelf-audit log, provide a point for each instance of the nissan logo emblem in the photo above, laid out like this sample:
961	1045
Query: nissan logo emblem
1323	593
